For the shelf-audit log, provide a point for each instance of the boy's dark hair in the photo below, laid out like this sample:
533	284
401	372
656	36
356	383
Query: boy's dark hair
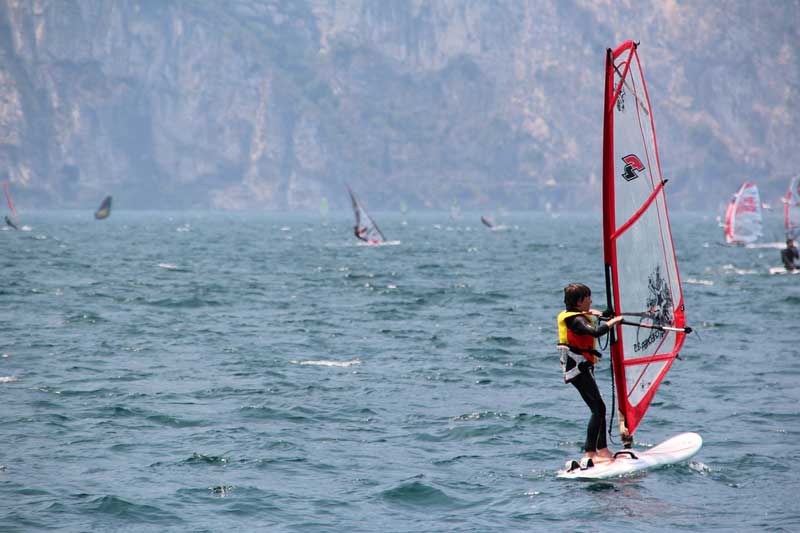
574	292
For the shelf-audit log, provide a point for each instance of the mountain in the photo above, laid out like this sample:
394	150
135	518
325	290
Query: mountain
271	105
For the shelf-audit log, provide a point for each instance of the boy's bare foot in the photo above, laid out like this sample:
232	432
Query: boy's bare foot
603	455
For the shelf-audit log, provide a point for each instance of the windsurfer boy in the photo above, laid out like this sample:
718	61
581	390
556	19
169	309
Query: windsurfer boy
576	343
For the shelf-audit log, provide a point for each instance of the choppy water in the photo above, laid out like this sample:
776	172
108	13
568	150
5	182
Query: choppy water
210	372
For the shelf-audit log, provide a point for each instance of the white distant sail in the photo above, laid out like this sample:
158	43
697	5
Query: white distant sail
791	210
743	218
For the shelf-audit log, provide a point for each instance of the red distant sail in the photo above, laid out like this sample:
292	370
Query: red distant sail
10	202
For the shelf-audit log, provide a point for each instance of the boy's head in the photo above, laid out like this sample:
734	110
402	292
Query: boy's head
573	293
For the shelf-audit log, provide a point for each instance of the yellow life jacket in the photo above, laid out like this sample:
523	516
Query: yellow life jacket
571	343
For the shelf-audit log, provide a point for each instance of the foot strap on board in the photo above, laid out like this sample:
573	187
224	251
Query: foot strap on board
586	463
572	465
623	453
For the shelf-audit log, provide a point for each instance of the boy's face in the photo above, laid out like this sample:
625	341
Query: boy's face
585	303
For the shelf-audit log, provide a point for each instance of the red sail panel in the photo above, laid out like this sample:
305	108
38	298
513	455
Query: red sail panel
638	248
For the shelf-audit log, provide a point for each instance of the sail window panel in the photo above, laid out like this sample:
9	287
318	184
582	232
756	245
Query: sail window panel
648	286
640	379
636	172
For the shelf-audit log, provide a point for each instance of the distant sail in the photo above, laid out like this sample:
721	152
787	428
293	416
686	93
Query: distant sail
487	222
791	210
455	210
104	210
743	218
365	228
642	279
14	220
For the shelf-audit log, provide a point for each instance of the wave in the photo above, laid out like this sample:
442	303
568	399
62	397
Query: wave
120	411
202	459
134	512
481	415
695	281
327	362
171	266
732	269
419	494
188	303
465	432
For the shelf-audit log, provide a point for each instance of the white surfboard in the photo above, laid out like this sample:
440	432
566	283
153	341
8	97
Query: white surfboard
782	270
673	450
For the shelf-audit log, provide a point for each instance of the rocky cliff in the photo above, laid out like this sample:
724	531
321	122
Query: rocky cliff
268	105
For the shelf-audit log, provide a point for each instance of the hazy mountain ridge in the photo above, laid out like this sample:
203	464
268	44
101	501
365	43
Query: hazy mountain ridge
252	104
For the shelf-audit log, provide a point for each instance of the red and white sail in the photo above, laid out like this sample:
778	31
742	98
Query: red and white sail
791	210
10	203
743	217
365	228
642	277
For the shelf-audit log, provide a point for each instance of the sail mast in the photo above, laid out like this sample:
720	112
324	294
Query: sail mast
609	223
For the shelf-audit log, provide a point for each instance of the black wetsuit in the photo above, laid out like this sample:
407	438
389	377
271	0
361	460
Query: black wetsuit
789	255
587	387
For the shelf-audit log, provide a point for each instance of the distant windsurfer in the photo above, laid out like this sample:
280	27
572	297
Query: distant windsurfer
788	255
10	223
365	228
576	342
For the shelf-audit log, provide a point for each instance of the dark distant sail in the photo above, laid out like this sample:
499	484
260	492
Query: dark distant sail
365	228
15	222
487	222
104	210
